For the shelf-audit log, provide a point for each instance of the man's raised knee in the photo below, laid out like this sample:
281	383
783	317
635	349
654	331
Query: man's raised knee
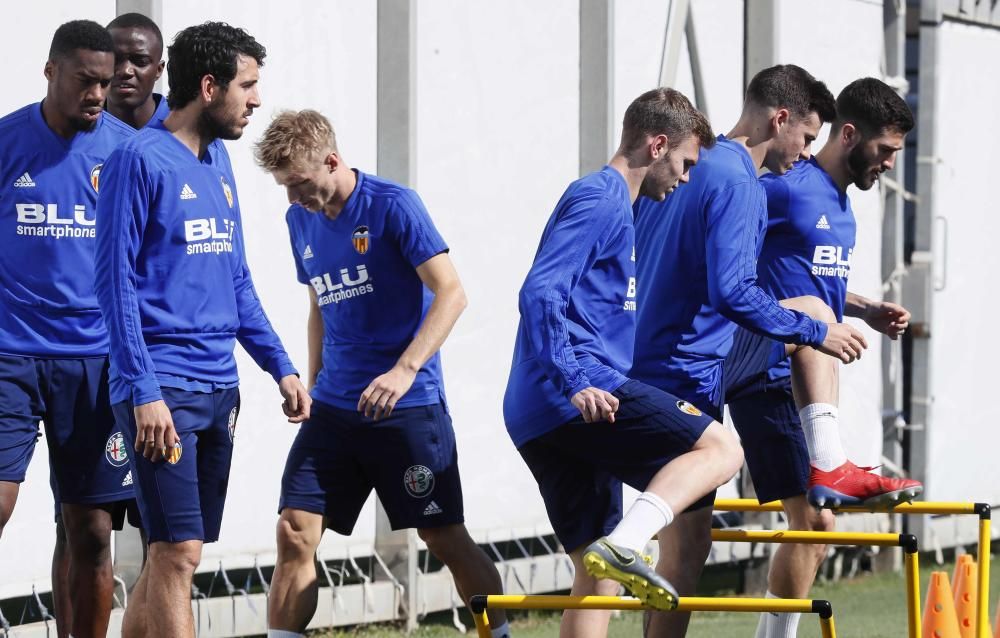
812	306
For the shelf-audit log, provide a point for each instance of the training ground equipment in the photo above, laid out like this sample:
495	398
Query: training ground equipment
982	510
940	620
480	604
964	586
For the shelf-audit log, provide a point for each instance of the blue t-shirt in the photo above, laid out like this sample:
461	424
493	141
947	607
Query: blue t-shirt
697	274
577	307
810	238
362	266
48	197
171	276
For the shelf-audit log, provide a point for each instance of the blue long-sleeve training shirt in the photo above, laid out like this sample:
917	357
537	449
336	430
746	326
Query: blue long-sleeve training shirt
171	278
362	266
810	237
577	307
48	196
696	267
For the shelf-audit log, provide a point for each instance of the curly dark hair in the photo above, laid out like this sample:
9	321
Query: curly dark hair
872	106
206	49
665	111
80	34
136	21
793	88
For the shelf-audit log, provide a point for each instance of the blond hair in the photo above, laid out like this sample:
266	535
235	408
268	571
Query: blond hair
293	139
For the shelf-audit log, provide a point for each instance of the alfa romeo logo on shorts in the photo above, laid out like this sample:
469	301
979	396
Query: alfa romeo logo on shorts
232	425
115	450
687	408
418	481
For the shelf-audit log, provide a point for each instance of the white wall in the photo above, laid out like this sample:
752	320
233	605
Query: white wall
963	418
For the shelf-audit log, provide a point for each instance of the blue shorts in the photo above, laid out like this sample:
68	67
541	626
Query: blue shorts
184	501
409	458
88	458
749	359
774	445
580	467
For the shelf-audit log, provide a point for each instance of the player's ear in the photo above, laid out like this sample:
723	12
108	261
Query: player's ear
780	118
658	146
848	134
209	88
50	70
159	69
332	161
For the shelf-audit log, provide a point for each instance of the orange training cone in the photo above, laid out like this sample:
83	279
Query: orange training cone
962	559
996	629
940	620
965	596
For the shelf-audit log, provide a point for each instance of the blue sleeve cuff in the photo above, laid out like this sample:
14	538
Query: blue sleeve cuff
819	333
280	368
145	390
582	383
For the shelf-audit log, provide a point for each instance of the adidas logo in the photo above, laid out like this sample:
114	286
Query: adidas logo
187	193
432	509
24	181
822	224
308	252
128	479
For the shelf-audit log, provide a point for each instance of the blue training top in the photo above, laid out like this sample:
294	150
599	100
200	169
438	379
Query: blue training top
172	278
577	307
697	274
362	266
48	198
811	232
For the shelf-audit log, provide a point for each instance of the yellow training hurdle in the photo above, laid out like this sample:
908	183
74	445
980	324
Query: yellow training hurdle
479	605
866	539
982	510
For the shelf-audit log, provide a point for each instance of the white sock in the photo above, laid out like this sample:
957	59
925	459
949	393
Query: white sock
781	625
648	515
822	431
503	631
281	633
762	622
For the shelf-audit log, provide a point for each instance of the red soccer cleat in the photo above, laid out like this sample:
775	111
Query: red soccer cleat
853	485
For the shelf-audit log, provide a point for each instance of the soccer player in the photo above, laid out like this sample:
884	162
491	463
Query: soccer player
138	65
384	296
807	251
53	343
697	261
175	290
581	425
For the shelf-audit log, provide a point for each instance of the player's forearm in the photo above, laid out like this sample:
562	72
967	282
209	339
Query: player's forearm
448	305
314	336
856	305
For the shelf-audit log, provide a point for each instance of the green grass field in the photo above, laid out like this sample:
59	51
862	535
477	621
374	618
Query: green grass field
865	607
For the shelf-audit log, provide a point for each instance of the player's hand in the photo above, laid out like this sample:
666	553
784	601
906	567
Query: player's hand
382	394
154	430
843	342
595	404
888	318
297	402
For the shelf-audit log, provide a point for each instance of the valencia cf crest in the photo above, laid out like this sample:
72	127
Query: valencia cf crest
687	408
173	455
95	174
227	190
360	239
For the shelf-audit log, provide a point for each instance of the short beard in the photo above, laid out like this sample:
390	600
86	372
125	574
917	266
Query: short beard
212	128
858	168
